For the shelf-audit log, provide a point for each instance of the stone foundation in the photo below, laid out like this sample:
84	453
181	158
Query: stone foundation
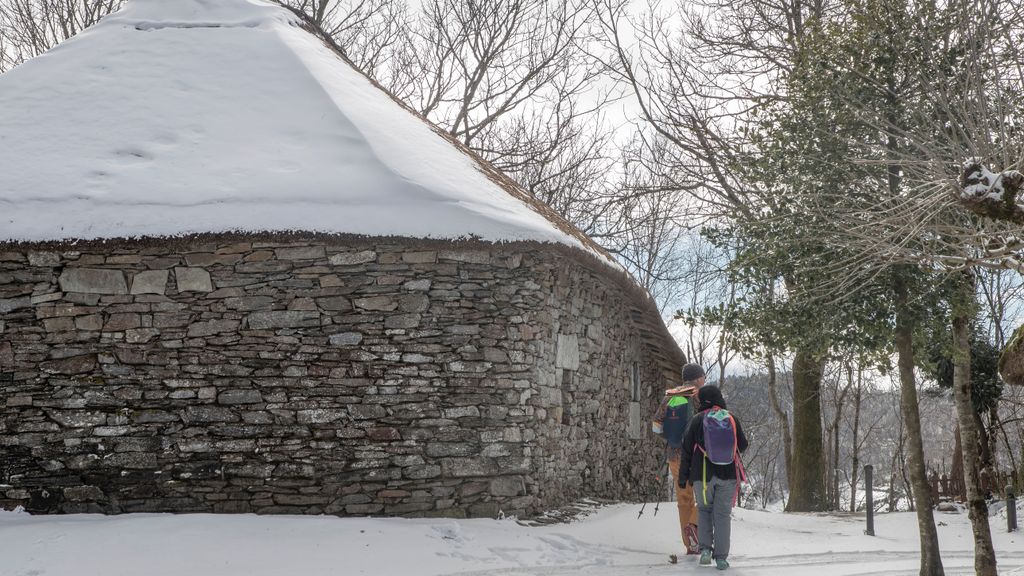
323	375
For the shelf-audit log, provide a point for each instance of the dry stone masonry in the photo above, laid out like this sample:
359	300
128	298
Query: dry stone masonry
337	375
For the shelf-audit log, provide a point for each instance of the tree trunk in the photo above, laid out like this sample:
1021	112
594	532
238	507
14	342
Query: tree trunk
984	555
807	490
956	472
833	476
931	561
787	439
854	477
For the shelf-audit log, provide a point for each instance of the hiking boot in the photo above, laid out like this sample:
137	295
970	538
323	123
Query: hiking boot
705	557
721	563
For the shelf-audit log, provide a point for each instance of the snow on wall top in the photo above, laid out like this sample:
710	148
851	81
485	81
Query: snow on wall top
182	116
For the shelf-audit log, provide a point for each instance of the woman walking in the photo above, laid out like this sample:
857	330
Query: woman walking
710	462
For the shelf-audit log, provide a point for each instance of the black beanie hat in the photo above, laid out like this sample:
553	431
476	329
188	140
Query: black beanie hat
691	372
709	396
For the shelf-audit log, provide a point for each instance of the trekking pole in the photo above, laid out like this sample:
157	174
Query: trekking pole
657	478
660	486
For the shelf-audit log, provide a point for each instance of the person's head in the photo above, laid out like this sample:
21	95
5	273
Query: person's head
709	396
693	375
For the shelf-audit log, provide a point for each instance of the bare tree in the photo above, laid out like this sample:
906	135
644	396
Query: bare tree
368	32
30	27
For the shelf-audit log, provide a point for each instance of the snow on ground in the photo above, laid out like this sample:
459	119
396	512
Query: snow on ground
169	118
612	542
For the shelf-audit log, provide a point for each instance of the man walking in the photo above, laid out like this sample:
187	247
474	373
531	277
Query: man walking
670	421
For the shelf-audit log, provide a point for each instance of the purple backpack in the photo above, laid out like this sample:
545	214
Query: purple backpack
719	436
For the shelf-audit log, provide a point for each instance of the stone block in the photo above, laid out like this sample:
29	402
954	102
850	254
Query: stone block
90	323
83	461
140	335
361	509
294	470
345	339
43	259
507	486
78	418
402	321
300	253
377	303
283	319
319	416
484	510
635	426
202	259
235	446
249	303
367	411
122	322
439	449
154	417
567	355
473	367
385	434
422	285
353	258
131	460
462	412
13	401
334	304
243	396
300	499
73	365
11	304
426	257
44	298
83	494
93	281
496	355
209	414
233	507
467	467
150	282
470	256
331	281
251	470
302	304
413	302
107	431
421	472
195	445
193	280
124	259
209	328
60	324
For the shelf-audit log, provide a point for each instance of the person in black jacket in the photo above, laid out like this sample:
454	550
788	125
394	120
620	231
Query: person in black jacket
714	485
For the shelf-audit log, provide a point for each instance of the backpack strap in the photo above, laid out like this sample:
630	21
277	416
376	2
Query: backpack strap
741	473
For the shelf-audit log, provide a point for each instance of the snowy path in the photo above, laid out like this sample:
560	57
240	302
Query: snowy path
612	542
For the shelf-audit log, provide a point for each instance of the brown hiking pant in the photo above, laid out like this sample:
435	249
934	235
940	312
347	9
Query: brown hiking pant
684	500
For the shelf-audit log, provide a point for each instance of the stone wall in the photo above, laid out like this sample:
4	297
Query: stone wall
321	375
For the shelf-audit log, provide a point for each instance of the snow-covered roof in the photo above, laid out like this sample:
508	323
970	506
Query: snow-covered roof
175	117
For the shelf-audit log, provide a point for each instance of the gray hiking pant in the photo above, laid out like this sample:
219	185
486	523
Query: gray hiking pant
714	528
